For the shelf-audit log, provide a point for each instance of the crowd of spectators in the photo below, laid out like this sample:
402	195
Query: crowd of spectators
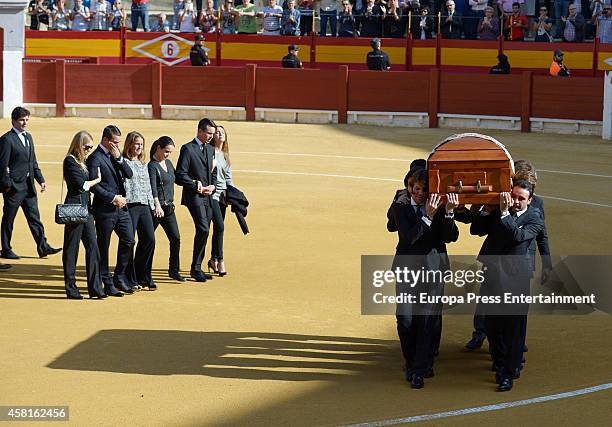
540	20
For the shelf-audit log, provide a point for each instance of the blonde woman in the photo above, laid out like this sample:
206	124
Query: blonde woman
78	185
219	206
140	207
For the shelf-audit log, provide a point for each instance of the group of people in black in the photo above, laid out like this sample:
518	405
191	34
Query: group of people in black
425	224
131	198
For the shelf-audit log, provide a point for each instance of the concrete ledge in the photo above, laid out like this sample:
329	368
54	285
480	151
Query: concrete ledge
196	112
282	115
563	126
382	118
479	122
124	111
41	109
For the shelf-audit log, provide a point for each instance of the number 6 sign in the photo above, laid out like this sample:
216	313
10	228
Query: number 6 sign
170	49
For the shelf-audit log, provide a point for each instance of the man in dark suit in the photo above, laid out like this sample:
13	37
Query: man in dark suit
194	174
452	24
109	208
19	169
505	253
423	231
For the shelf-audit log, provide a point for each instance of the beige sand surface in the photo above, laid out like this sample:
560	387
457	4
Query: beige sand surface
280	340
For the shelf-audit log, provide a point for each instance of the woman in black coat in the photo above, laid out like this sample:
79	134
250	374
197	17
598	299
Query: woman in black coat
75	175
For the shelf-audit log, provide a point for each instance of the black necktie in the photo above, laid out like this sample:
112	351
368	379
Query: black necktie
418	212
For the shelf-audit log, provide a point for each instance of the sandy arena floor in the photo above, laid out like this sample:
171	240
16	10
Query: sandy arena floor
280	340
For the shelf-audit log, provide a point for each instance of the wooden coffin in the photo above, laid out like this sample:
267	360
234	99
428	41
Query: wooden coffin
475	166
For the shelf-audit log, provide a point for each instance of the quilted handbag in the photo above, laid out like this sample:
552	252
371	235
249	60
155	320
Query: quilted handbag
71	214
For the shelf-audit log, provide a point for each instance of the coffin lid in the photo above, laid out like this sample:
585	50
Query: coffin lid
475	135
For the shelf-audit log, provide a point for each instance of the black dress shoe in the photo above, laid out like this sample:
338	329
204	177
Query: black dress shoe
111	291
74	296
124	288
474	344
505	384
49	251
417	382
152	287
5	266
199	276
177	276
516	374
9	255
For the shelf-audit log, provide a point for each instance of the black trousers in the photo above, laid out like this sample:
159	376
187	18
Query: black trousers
201	216
28	202
418	335
506	337
73	236
170	226
218	219
121	223
141	262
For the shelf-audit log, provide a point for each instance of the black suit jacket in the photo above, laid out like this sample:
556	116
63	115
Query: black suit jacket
113	172
542	238
195	165
75	176
18	165
452	29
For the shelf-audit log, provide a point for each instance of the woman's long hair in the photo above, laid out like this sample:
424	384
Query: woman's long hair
76	146
225	147
130	139
161	142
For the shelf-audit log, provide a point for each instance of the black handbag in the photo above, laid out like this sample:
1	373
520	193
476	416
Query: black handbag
167	207
70	214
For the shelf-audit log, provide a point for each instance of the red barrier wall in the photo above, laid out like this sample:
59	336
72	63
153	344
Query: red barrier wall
192	86
395	91
341	90
39	82
480	94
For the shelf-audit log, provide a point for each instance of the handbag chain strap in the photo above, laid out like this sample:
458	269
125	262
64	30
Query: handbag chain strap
161	181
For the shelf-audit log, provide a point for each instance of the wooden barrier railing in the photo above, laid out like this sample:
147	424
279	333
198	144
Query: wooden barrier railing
342	90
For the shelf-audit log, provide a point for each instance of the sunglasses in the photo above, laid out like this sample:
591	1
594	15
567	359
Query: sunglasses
543	10
87	147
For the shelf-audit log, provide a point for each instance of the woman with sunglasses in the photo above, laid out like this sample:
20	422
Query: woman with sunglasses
542	26
78	185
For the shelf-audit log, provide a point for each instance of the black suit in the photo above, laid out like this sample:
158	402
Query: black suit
505	324
195	164
419	326
453	28
75	176
109	217
19	169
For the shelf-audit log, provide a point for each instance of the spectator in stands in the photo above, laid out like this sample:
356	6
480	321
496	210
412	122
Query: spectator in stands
542	26
488	27
119	16
178	6
187	18
371	20
290	21
393	21
140	11
39	11
328	12
423	24
561	10
475	13
306	8
272	15
291	60
558	68
573	26
516	25
505	7
101	13
60	16
452	24
347	20
209	18
80	16
197	55
604	24
228	18
161	24
377	60
502	67
247	23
